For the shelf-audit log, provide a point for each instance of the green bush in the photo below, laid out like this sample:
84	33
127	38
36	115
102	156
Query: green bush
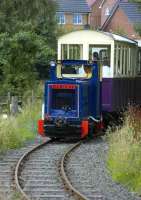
14	131
124	160
19	55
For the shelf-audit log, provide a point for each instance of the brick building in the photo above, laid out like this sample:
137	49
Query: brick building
73	14
118	16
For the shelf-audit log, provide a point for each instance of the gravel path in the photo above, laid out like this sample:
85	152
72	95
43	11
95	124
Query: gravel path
91	156
8	162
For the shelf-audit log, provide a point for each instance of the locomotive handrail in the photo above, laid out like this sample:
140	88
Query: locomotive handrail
94	119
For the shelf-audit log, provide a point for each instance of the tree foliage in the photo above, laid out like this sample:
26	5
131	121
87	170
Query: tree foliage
135	1
138	28
27	39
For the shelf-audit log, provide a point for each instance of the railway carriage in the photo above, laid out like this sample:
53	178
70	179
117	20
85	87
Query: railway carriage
117	57
96	73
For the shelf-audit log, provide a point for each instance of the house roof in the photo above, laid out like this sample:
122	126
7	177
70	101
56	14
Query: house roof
73	6
91	2
132	11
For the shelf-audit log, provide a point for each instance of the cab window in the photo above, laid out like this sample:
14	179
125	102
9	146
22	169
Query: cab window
71	51
76	71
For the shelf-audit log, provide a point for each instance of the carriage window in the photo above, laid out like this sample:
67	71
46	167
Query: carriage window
139	62
71	51
132	60
118	67
101	53
123	60
64	51
117	60
126	60
129	63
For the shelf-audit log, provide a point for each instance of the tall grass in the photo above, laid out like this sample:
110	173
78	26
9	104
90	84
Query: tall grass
15	130
124	157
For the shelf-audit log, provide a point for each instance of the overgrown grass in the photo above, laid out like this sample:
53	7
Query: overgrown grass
124	157
14	131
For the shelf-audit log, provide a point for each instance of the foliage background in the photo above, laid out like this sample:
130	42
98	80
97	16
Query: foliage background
27	42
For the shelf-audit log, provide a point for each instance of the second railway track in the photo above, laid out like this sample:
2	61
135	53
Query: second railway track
42	174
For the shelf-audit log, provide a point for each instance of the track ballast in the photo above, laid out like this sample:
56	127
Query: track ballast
41	173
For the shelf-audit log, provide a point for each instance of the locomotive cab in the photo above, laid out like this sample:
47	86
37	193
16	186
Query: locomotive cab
72	107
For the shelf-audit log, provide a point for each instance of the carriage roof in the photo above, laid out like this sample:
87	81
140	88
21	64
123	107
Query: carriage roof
139	43
91	36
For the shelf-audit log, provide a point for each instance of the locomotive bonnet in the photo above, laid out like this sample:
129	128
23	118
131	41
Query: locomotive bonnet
72	106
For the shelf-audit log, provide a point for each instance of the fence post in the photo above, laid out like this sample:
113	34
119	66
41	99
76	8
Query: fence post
8	102
14	105
32	98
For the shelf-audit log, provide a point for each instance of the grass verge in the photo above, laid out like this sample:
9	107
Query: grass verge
14	131
124	156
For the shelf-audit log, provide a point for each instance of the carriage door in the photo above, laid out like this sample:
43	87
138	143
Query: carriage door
101	53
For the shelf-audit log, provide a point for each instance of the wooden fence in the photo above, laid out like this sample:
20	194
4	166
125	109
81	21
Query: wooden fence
11	105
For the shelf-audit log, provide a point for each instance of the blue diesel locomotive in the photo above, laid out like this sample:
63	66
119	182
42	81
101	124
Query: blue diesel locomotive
72	100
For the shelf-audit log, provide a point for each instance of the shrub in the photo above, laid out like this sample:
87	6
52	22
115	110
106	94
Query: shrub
124	160
16	130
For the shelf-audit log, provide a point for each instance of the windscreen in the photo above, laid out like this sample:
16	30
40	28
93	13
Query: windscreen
76	71
63	99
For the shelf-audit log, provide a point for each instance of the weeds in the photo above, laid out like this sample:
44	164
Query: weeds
14	131
124	156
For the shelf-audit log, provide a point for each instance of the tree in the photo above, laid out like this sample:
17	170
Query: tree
136	1
120	30
27	39
137	27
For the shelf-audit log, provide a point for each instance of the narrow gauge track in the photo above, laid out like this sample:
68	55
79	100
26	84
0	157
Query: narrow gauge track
40	171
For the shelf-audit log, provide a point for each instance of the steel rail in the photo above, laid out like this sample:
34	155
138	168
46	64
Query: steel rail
77	195
19	165
65	179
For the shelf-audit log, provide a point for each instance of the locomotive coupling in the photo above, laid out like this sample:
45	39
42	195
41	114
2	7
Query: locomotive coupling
60	122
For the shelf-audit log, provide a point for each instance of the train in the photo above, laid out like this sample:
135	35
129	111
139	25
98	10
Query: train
96	73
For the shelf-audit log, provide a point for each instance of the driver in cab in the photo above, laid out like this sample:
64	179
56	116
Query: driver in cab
88	71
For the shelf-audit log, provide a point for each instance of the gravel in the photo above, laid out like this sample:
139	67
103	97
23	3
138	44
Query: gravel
8	162
86	167
43	165
88	164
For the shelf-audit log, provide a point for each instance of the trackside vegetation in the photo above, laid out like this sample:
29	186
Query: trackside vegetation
28	32
124	156
16	130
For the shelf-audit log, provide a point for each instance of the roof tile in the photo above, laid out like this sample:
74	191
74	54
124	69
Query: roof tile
132	11
73	6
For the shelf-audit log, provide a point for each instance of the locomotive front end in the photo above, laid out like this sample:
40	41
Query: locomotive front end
71	101
62	110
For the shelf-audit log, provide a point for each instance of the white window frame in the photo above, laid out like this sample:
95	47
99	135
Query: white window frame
107	12
61	18
77	19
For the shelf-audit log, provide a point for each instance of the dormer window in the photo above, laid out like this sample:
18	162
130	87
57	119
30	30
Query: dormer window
77	19
107	12
60	18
